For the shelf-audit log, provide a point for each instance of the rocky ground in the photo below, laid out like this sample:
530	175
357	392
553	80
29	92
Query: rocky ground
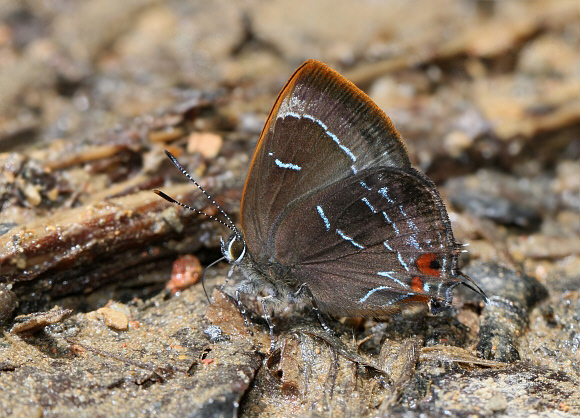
95	319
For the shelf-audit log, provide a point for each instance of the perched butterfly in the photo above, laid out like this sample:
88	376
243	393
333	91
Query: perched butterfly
332	211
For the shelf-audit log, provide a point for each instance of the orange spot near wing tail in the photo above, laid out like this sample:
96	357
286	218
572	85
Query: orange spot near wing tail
417	285
428	264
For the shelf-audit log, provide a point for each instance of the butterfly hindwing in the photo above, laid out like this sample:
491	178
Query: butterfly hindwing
391	242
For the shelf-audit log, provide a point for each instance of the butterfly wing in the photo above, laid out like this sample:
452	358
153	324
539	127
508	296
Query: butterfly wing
384	231
321	129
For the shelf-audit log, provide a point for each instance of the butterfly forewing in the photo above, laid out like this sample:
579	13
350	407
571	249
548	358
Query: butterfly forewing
321	130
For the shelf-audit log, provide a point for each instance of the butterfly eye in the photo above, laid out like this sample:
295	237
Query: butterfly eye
429	264
236	249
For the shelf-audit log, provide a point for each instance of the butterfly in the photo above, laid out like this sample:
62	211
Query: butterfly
333	213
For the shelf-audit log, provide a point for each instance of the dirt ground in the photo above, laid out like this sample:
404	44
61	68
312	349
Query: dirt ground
94	317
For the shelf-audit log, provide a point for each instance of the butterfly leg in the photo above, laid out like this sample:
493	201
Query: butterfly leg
229	276
303	289
268	318
242	308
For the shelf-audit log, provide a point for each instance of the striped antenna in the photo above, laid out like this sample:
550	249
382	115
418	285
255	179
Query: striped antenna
230	225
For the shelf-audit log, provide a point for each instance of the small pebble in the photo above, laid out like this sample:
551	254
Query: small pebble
207	144
185	273
114	319
8	302
497	402
39	320
215	334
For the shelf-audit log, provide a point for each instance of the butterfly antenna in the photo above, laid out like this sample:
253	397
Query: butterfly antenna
213	218
470	284
203	276
231	225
